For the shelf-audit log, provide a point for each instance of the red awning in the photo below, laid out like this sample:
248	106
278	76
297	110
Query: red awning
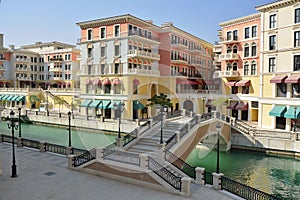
136	82
97	82
88	81
278	79
243	83
294	78
106	82
231	83
232	105
209	82
242	106
188	82
116	81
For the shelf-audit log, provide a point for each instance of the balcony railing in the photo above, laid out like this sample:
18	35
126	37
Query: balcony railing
143	54
22	60
220	74
179	60
23	78
137	34
56	59
143	72
229	40
54	69
229	56
217	49
178	46
22	69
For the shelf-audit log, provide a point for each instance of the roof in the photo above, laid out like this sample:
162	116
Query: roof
46	44
275	5
241	20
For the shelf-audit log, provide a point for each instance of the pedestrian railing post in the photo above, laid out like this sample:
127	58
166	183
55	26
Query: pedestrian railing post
200	175
217	181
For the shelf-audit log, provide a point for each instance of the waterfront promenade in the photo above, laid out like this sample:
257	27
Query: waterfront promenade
45	176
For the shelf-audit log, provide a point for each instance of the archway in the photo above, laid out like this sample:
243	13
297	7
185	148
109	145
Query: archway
188	105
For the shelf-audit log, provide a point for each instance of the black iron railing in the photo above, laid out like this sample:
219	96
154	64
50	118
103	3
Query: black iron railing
124	157
31	143
183	131
77	151
109	150
245	191
180	164
129	137
54	148
193	121
164	173
84	158
206	116
7	138
208	178
171	142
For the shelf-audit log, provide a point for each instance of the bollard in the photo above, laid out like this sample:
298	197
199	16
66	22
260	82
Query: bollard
217	179
200	175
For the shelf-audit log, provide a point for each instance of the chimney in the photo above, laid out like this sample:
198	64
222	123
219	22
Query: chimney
1	40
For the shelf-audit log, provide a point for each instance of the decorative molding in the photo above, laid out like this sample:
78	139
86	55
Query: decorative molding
241	20
276	5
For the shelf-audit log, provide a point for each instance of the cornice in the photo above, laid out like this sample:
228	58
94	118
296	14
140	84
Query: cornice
276	5
240	20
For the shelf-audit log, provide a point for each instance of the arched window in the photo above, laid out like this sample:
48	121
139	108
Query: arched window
229	67
229	50
234	49
234	66
253	49
253	68
246	68
246	50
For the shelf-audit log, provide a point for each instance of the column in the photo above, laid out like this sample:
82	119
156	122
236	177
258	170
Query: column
217	178
186	186
200	175
99	153
70	161
144	161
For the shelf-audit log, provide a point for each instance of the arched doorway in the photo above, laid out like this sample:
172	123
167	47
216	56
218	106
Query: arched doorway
188	105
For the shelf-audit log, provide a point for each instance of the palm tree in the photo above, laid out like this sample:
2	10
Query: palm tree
58	100
33	99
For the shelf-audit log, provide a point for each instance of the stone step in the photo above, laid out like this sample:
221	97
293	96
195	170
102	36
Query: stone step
139	150
173	171
147	143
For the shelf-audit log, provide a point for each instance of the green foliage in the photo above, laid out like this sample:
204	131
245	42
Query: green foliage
160	99
58	100
33	98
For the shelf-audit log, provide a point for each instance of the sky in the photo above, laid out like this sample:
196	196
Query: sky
25	22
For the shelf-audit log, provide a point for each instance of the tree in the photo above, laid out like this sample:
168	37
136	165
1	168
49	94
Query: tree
33	99
220	101
58	100
161	100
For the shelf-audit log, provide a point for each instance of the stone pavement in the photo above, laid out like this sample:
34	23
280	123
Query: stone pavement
44	176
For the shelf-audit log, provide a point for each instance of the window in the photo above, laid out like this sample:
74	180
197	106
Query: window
228	34
117	68
253	68
234	66
102	52
253	50
229	50
296	90
254	31
234	49
272	42
90	52
246	50
103	33
117	30
247	33
89	34
107	89
102	68
246	68
229	67
297	39
89	70
280	90
117	89
296	62
297	15
135	89
117	50
235	35
234	90
245	89
272	21
271	65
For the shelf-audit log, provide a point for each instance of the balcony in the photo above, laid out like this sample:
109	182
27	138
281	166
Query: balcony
24	69
143	55
179	60
144	72
217	48
216	61
228	56
229	40
56	59
178	46
55	69
221	74
22	60
141	37
23	78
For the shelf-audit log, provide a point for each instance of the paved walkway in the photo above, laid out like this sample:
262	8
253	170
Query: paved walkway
44	176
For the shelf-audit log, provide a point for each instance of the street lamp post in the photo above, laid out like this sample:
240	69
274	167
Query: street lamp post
295	110
12	124
119	107
203	102
69	115
161	124
47	104
20	129
218	148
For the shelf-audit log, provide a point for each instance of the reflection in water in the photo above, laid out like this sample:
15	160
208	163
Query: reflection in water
276	175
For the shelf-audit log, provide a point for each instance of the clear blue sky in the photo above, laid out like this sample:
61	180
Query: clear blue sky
26	21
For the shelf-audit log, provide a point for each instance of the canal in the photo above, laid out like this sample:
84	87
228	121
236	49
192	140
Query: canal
272	174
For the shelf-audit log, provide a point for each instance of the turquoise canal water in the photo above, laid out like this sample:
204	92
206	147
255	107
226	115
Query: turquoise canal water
80	139
272	174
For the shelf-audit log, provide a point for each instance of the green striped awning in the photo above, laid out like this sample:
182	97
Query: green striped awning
4	98
86	103
104	104
111	105
278	111
137	105
2	95
10	97
15	98
21	98
95	104
290	113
